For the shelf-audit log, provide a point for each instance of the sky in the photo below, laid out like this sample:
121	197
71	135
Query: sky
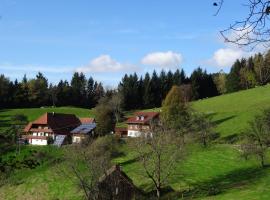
107	38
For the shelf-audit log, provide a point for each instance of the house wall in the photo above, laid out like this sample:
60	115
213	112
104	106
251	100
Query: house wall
38	142
76	139
133	133
136	130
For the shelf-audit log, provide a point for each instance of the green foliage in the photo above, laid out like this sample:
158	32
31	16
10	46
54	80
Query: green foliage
220	81
175	111
202	84
50	140
104	116
233	78
38	92
257	137
89	162
202	129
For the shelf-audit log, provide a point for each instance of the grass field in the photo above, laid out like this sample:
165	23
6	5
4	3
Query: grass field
34	113
232	112
216	172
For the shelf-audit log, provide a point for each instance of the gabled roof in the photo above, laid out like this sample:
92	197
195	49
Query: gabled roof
56	121
87	120
120	173
27	127
142	117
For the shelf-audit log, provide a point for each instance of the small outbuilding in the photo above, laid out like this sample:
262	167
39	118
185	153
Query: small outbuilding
83	131
116	185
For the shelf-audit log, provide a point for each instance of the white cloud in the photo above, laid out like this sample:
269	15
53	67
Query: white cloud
167	59
105	63
225	57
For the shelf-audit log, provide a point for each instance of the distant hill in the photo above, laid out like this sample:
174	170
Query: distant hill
232	112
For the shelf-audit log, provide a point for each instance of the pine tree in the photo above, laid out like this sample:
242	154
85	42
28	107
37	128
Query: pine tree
233	78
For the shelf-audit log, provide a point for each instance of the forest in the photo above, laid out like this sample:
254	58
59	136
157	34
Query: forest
147	91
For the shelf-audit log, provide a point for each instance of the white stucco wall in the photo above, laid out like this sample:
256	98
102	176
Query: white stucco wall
132	133
39	142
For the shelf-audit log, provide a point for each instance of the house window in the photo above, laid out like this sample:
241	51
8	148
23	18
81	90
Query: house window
46	134
40	134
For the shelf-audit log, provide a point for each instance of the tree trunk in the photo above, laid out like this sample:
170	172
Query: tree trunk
204	139
158	192
262	161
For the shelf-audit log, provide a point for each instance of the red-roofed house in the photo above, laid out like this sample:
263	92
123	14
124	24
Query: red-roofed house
140	123
50	125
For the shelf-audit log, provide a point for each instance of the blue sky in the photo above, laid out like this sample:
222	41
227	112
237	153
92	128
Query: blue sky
107	38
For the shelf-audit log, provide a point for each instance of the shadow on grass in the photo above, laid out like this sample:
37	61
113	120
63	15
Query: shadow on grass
130	161
235	179
220	121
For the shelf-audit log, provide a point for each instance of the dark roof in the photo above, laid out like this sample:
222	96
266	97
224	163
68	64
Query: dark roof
142	117
58	122
116	168
84	128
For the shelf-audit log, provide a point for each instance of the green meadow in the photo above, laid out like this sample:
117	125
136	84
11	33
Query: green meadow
34	113
215	172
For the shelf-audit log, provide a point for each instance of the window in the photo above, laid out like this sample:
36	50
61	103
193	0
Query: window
40	134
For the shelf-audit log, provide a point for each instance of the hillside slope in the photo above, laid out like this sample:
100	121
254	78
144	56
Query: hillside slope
216	172
232	112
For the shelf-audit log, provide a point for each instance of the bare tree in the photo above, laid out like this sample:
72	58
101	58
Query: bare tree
257	138
116	102
88	163
252	30
159	154
202	128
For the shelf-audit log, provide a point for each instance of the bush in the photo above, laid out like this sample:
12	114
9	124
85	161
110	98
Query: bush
50	140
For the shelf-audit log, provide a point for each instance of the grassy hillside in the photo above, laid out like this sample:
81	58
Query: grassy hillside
216	172
232	112
34	113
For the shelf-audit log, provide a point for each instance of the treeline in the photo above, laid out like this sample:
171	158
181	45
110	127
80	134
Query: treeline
135	92
149	91
245	74
38	92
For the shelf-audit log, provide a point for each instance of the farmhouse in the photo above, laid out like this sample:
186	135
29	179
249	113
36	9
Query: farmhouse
140	123
115	184
56	126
